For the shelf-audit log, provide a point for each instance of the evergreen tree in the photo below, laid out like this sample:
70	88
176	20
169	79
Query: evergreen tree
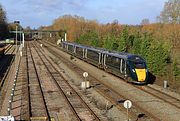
94	39
123	40
176	70
136	46
157	57
107	42
145	44
90	38
110	42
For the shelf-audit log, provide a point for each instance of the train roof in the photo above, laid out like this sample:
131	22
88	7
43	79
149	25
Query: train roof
123	55
69	43
96	49
117	54
126	56
75	44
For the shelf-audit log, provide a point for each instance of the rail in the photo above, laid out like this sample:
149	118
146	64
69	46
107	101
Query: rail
40	87
69	86
110	90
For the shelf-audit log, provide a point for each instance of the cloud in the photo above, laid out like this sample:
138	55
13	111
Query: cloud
40	12
54	4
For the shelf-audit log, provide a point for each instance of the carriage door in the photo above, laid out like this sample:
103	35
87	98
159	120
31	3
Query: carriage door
85	54
123	67
104	60
99	60
74	49
66	47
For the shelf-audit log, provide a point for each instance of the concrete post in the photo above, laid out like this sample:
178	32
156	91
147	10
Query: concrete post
65	37
165	84
23	39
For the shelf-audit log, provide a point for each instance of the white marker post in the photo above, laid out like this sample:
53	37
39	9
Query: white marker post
127	105
22	39
65	37
85	75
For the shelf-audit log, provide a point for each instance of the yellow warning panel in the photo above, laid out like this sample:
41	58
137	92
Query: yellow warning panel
141	74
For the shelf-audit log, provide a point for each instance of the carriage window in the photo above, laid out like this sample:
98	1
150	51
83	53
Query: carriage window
70	48
113	62
93	55
108	59
79	51
117	60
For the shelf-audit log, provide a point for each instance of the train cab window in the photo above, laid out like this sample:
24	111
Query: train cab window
139	65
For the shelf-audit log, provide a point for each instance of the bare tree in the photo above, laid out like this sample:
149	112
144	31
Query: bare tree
145	21
171	12
3	23
2	15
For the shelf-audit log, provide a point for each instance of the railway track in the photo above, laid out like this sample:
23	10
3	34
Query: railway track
78	106
161	95
37	104
110	94
158	94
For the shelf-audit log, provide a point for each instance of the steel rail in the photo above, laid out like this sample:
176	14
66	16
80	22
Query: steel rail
110	88
69	103
41	90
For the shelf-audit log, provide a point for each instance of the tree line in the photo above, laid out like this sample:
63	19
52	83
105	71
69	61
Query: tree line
3	23
158	43
6	27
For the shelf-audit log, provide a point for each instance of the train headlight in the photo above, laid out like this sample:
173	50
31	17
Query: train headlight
133	70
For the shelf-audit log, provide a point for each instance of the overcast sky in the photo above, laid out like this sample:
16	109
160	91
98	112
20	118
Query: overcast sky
35	13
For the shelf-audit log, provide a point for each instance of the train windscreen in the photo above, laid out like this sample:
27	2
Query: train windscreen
139	65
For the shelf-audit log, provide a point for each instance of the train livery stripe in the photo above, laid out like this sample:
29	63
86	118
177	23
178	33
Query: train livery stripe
141	74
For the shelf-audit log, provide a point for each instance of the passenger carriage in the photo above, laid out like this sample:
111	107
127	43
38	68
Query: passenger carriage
79	51
94	56
125	65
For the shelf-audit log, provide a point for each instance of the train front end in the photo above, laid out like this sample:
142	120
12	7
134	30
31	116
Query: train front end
138	70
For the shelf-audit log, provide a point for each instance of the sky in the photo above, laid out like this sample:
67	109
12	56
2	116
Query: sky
36	13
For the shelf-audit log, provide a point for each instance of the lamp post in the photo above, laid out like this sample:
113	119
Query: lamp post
16	23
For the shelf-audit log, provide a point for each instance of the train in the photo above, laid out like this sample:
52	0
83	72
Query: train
2	49
129	67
